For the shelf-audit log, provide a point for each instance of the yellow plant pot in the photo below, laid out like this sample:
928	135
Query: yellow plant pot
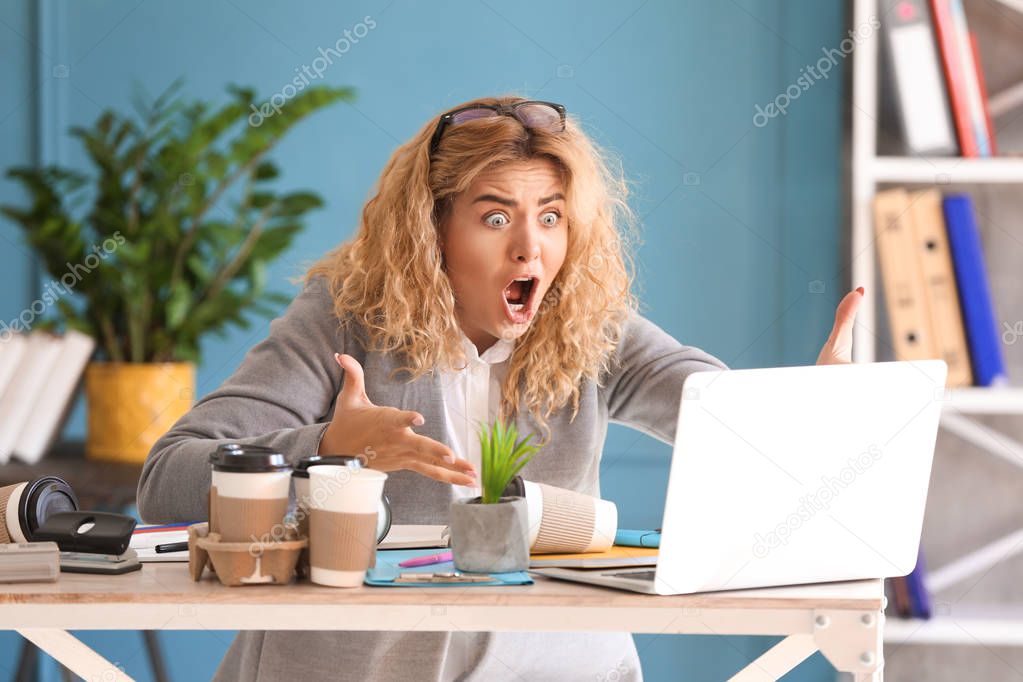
130	405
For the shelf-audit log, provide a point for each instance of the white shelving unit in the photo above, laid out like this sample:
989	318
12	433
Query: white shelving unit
991	627
978	626
943	171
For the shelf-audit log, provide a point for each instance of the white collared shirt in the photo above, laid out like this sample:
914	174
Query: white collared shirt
472	397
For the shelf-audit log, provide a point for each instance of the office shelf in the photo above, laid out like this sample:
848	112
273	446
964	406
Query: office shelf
988	627
959	624
945	170
985	400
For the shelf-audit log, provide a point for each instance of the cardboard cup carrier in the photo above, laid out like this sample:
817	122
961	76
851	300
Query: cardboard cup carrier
246	539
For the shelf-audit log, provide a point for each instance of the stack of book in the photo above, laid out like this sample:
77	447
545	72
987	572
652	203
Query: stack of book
909	594
939	90
39	373
936	284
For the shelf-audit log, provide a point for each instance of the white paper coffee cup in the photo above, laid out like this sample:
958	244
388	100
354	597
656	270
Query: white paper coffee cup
343	505
248	492
562	521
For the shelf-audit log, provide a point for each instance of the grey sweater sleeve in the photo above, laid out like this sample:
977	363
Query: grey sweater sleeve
644	385
280	396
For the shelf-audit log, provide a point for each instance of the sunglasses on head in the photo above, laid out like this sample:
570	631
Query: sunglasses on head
531	114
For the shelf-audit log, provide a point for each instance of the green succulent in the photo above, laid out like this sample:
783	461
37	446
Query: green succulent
503	455
182	203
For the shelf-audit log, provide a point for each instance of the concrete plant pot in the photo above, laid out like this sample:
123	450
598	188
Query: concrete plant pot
490	538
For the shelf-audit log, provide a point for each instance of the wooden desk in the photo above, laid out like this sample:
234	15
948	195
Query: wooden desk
843	620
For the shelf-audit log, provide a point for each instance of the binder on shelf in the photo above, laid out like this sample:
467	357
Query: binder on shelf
51	406
900	272
974	292
989	126
901	591
919	85
961	77
919	597
12	349
26	384
941	297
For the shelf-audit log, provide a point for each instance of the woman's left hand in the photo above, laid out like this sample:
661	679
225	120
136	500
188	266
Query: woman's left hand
837	349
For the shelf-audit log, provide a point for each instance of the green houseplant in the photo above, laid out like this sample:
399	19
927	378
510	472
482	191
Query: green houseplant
490	533
166	241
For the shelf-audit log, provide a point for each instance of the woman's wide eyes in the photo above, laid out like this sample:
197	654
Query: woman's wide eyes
550	219
496	220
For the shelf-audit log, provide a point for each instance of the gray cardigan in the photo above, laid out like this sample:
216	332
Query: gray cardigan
282	395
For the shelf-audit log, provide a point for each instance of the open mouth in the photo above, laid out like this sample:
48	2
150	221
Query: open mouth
518	298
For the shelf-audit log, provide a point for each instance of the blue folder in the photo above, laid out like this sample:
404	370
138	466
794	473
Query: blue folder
982	332
919	597
387	570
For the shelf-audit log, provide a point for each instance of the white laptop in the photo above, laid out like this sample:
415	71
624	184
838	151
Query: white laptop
793	475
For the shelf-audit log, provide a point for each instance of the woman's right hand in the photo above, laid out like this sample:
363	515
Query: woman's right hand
382	436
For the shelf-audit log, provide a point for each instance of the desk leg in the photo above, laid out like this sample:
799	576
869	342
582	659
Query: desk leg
75	655
778	660
852	641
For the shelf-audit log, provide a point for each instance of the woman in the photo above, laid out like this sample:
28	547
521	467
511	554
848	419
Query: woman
489	277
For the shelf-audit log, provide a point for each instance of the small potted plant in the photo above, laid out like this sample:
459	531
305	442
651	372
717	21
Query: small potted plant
490	534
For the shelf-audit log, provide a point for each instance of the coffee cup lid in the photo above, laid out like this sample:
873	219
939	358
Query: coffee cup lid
237	457
42	497
302	467
224	448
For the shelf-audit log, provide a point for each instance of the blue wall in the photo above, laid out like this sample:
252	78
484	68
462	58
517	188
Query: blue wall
739	221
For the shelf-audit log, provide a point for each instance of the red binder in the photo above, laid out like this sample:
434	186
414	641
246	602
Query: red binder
955	76
982	85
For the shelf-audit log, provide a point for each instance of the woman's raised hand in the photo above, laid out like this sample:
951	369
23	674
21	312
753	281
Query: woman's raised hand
837	349
383	436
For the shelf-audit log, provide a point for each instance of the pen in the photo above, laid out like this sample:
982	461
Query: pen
427	560
165	527
171	547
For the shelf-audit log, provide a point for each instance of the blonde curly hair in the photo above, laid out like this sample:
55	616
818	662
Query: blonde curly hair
391	276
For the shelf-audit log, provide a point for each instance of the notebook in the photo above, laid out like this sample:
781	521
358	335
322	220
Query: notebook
413	537
616	557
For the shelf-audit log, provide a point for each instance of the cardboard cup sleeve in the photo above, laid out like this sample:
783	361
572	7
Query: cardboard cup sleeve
571	521
241	519
341	541
213	510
